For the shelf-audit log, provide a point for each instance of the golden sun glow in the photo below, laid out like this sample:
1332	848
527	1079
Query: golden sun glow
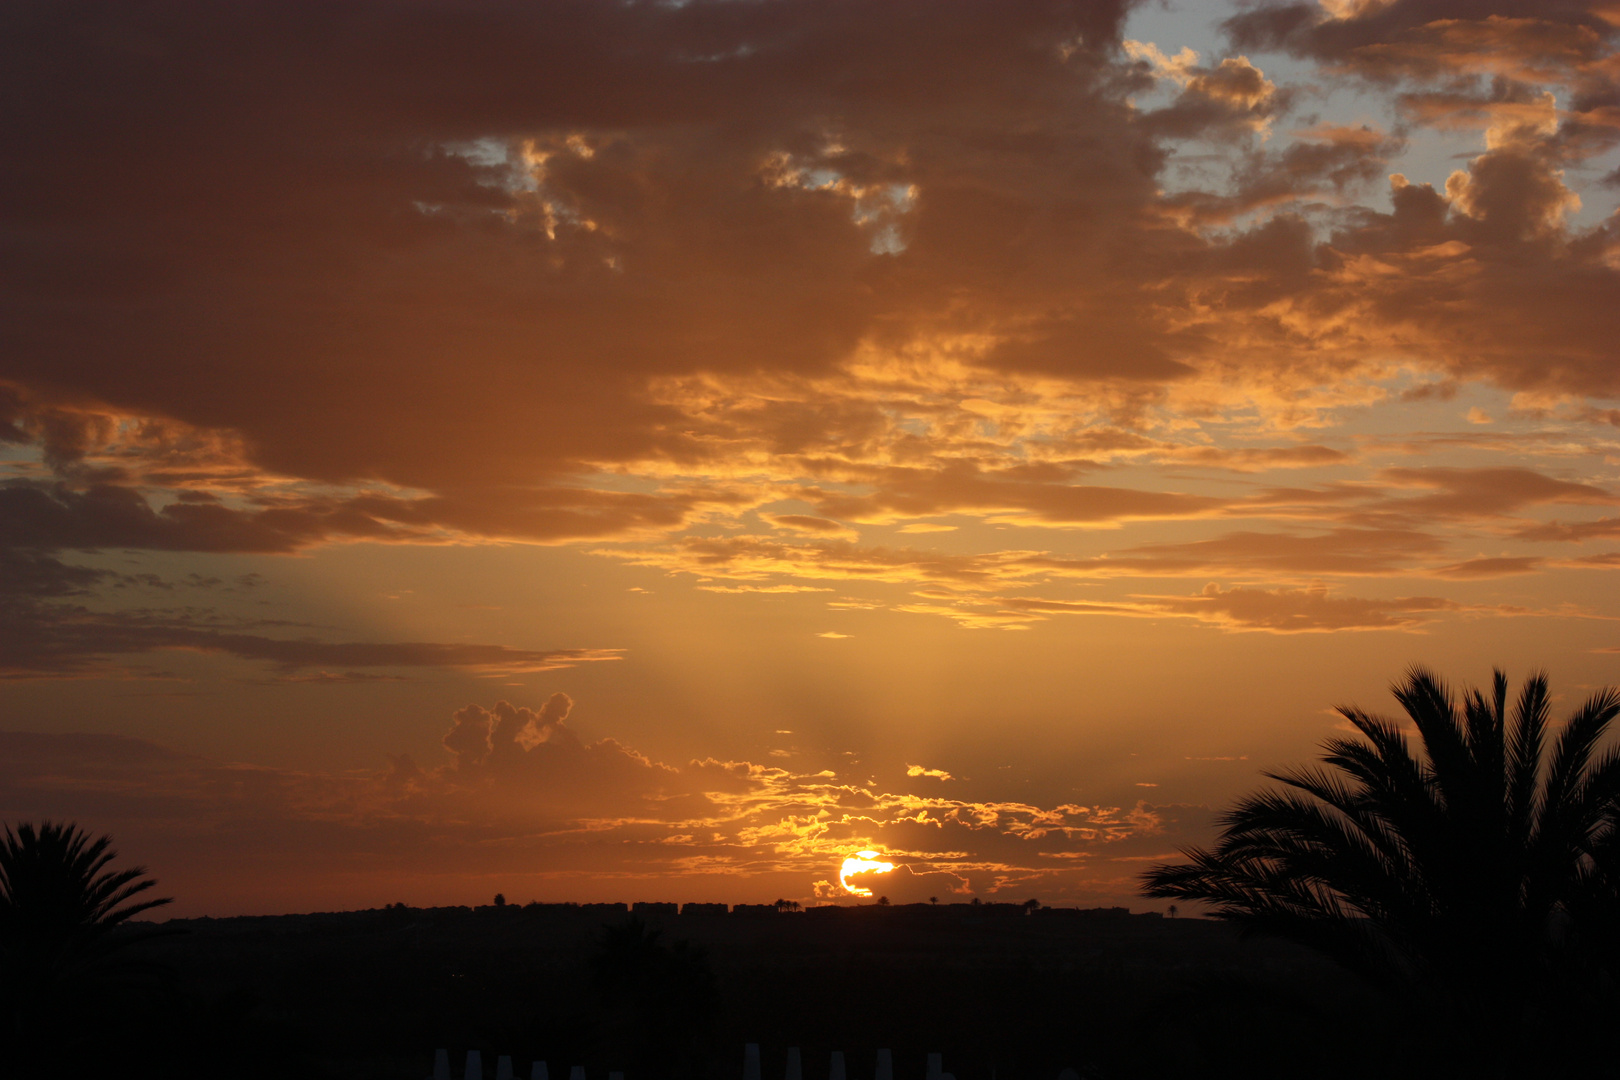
862	862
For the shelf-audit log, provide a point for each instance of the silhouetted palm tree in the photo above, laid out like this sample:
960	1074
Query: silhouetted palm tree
62	913
1480	872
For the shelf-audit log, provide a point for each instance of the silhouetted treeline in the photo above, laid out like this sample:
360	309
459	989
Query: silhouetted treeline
370	995
1004	994
973	909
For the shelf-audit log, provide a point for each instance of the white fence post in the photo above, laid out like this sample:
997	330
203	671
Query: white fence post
751	1061
835	1068
885	1066
441	1064
475	1066
795	1068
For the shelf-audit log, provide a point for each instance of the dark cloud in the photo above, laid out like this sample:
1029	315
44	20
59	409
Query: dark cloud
1325	162
322	223
55	516
1490	567
25	577
41	637
1232	100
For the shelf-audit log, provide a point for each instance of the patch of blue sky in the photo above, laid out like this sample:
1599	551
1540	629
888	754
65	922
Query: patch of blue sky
1323	98
911	425
885	199
887	240
503	165
22	459
1421	404
487	152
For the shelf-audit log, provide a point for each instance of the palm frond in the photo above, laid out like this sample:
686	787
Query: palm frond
1485	723
1427	700
1451	866
1525	752
61	906
1573	752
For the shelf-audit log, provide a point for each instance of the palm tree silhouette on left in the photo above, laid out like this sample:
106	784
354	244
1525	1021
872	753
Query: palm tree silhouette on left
62	913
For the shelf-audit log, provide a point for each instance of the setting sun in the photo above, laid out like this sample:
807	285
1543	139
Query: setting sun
862	862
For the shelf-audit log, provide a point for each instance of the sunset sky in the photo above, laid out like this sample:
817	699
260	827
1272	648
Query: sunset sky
626	450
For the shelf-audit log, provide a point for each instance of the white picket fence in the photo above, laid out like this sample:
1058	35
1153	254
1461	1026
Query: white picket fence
474	1068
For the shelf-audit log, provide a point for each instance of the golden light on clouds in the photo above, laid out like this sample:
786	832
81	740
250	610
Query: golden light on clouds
1274	352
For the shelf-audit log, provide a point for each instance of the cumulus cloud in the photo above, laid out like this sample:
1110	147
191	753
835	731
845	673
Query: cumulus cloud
478	735
1232	99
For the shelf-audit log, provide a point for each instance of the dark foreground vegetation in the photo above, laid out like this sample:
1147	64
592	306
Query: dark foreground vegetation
1475	882
1002	992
